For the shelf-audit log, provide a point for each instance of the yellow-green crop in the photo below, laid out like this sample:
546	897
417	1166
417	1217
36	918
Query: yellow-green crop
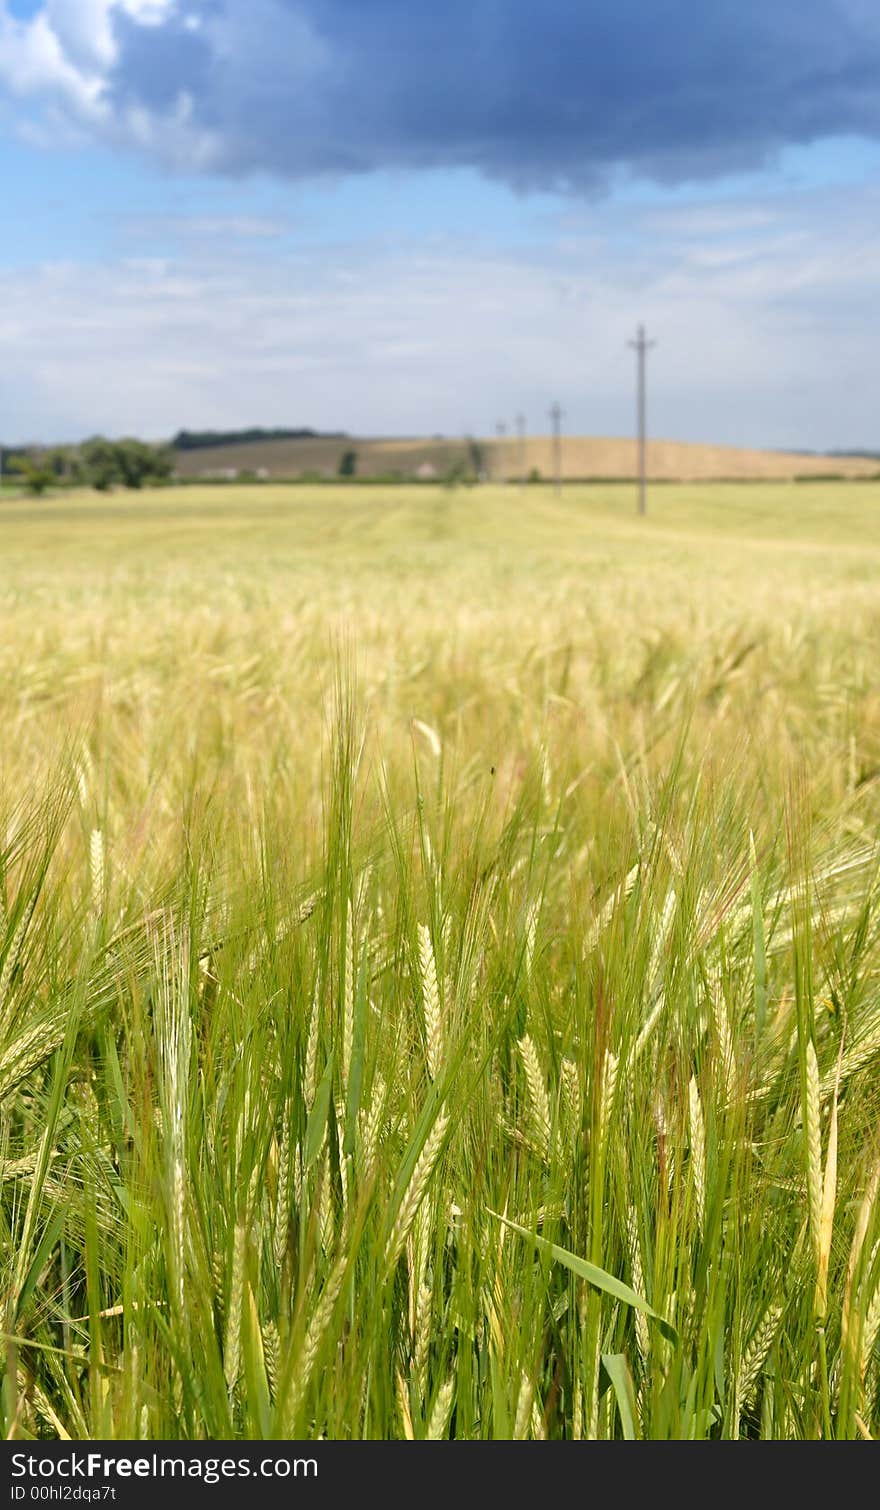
440	963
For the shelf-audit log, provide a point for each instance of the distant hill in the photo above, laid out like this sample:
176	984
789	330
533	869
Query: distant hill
583	457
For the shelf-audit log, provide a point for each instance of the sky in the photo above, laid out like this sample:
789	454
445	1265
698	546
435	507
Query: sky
397	218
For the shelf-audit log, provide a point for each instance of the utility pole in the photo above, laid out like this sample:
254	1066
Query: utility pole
501	432
556	416
642	346
521	433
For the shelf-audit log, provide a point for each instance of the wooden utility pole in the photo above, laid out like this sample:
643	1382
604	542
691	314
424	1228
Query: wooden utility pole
642	346
501	432
556	417
521	433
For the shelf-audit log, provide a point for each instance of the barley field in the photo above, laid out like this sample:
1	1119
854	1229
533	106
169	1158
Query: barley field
440	963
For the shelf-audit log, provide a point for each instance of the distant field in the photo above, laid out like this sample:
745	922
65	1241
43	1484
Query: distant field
440	963
582	458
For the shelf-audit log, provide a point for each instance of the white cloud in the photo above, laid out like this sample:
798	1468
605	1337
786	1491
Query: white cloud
206	228
772	348
33	61
62	58
84	28
84	31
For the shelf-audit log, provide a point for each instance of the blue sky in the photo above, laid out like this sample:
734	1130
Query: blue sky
395	218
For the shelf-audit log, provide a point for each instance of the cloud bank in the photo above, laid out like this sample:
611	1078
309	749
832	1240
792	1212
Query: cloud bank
760	320
560	95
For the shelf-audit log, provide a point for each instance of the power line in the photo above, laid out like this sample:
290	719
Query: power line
642	346
556	417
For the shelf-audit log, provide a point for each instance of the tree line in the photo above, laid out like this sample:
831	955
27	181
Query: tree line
97	463
201	440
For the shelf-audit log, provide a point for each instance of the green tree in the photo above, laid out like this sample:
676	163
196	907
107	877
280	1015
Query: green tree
136	462
348	464
35	475
100	461
131	463
58	460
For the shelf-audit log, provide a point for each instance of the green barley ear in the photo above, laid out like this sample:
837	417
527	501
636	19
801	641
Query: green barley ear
319	1323
811	1112
531	935
610	1066
697	1138
348	998
757	1351
96	865
643	1331
326	1214
438	1425
829	1201
232	1340
402	1394
272	1354
372	1120
416	1190
284	1185
175	1049
310	1073
525	1401
724	1048
539	1101
571	1095
431	1004
422	1340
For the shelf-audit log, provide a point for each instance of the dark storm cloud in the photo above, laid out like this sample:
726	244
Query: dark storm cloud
540	95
